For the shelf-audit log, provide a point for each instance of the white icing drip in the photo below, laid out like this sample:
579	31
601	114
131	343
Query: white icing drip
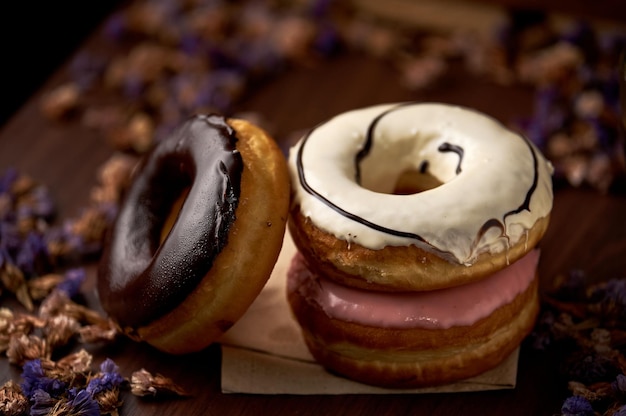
497	172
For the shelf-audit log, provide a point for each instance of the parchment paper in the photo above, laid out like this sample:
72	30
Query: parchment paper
264	352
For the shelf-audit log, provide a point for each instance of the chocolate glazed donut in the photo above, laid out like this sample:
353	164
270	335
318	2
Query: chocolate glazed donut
142	278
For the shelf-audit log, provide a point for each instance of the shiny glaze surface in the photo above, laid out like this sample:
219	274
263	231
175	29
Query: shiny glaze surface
141	279
495	183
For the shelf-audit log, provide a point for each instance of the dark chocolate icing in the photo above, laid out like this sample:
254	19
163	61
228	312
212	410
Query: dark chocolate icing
444	147
141	279
448	147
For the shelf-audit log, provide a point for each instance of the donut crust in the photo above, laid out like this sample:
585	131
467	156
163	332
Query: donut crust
243	267
396	268
417	357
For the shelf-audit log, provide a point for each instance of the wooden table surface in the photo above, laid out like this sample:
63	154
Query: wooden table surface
587	231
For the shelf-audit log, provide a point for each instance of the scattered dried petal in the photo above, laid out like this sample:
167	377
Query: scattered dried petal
13	280
60	329
109	401
143	384
98	333
41	286
78	362
12	401
58	303
61	101
25	348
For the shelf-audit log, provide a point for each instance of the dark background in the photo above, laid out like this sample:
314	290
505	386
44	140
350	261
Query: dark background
37	37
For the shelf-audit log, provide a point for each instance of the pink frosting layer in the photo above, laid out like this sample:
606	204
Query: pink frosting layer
438	309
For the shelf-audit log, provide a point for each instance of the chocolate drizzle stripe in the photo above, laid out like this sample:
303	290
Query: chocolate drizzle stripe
369	140
526	204
360	156
493	222
448	147
340	210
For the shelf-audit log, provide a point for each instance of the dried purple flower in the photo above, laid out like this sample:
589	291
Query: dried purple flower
7	179
577	406
610	299
43	403
32	258
590	367
64	245
34	379
115	27
71	284
41	203
86	69
10	240
108	378
83	404
619	384
61	388
584	37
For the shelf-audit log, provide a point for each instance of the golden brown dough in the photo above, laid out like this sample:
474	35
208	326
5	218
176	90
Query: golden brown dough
396	268
416	357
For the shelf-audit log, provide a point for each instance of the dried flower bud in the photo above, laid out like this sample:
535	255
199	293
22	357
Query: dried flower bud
91	225
12	401
116	171
61	101
61	375
25	323
15	326
78	362
22	185
82	404
53	304
6	317
41	286
58	303
26	347
60	330
13	280
143	384
97	333
109	401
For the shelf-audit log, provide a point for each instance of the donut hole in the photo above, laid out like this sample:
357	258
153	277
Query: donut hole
413	181
171	217
410	164
166	192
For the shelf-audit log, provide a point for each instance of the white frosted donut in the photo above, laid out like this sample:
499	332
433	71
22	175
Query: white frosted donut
495	184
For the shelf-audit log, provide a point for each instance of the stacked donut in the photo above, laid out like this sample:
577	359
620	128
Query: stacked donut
417	227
